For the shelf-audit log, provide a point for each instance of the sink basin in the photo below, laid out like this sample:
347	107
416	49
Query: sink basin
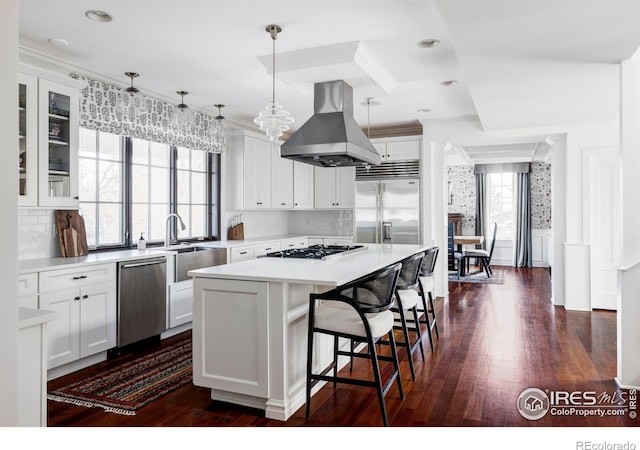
191	257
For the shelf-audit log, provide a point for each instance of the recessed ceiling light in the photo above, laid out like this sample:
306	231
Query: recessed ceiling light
98	16
58	42
424	110
428	43
449	82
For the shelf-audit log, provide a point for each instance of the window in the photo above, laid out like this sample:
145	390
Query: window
101	182
191	189
500	204
129	186
149	189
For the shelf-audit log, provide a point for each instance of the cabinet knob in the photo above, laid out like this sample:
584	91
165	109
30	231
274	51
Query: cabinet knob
295	204
282	204
76	198
85	296
77	299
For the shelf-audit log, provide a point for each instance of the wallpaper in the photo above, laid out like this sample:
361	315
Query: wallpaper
98	111
463	189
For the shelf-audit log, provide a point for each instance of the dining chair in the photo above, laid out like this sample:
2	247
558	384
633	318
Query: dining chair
481	255
361	312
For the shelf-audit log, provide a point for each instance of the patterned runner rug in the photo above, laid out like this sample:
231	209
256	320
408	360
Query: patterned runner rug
128	387
481	277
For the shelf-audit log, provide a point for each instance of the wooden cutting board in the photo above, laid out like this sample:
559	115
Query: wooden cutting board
71	233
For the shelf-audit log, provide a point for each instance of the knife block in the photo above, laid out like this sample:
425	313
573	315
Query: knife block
236	233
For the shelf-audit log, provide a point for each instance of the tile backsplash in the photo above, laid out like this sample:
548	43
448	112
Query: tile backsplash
36	234
329	223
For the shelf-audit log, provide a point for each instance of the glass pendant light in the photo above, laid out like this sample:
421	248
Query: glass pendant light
273	120
217	132
182	116
130	101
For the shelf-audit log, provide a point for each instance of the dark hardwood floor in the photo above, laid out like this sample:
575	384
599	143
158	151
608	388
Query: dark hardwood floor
495	341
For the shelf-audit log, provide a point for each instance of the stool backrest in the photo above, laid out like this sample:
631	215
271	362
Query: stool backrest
373	292
429	261
410	272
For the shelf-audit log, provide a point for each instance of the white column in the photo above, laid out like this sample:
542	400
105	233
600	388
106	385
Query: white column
558	218
434	214
9	207
628	341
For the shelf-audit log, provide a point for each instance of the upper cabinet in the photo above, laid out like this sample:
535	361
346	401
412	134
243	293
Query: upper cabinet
334	187
258	178
398	149
28	140
59	135
303	185
281	180
257	173
49	136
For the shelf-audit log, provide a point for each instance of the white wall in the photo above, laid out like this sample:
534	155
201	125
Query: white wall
9	206
628	342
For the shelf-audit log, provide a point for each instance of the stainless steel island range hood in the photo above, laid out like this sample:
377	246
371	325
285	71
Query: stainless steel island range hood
331	137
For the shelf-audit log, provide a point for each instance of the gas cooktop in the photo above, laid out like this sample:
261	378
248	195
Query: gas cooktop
315	251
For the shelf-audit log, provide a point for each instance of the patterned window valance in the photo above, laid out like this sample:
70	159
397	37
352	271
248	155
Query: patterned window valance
98	112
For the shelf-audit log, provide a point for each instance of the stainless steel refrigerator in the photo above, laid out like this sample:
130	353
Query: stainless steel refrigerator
387	211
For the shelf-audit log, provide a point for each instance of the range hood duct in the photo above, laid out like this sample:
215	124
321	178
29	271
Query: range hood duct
331	137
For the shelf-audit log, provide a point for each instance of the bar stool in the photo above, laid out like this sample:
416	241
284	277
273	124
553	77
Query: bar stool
426	287
406	299
359	311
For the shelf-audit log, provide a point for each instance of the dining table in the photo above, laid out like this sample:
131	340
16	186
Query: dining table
460	241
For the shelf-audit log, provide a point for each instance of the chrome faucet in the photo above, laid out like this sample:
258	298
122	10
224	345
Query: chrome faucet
167	241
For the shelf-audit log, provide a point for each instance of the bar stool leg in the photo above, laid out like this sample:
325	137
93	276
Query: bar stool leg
407	342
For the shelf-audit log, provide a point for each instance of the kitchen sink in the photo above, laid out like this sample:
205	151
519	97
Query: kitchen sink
191	257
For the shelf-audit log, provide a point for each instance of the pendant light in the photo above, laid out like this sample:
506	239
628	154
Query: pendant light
368	102
131	102
182	116
217	132
273	120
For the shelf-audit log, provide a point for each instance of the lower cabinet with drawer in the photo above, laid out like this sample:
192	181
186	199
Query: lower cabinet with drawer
267	247
85	301
295	243
242	253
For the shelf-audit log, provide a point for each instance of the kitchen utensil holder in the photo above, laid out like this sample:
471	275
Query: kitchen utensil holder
236	233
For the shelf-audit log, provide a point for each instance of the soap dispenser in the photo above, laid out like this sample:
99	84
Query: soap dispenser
142	244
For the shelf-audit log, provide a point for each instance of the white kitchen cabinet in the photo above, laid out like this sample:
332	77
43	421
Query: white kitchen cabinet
86	310
288	244
337	241
398	149
28	140
303	185
334	187
242	253
266	247
248	163
180	303
58	140
282	184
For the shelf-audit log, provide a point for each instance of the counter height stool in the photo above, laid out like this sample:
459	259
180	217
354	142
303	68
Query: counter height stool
406	299
359	311
426	287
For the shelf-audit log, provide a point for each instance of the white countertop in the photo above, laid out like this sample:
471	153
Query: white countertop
334	271
28	317
42	264
39	265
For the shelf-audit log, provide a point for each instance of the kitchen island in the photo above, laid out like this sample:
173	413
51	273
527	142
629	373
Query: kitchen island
250	324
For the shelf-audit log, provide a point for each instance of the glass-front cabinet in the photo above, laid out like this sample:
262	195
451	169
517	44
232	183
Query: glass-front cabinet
58	137
28	140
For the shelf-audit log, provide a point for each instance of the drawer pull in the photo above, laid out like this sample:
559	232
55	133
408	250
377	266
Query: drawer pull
77	299
85	296
243	253
268	248
81	277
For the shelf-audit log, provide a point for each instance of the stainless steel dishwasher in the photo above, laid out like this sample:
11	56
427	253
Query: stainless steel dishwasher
142	299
